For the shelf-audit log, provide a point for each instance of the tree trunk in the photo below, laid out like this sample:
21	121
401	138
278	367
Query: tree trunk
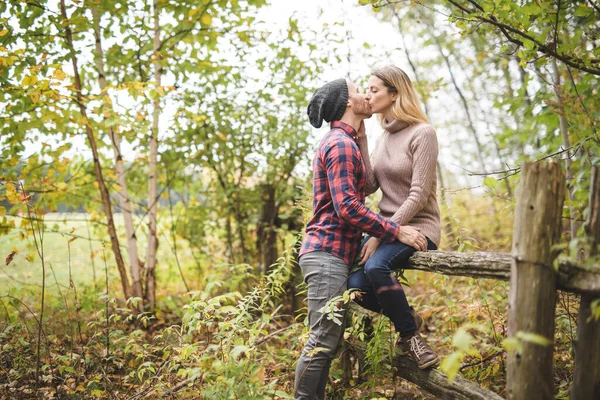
104	194
586	378
229	231
115	137
565	142
532	294
266	236
150	296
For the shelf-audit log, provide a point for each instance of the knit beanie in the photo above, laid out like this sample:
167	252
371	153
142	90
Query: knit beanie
328	103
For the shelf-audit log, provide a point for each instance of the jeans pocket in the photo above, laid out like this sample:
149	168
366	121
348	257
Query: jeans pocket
315	271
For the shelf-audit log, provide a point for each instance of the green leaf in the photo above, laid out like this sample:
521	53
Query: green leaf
528	44
512	344
462	340
490	182
451	365
238	351
583	10
595	307
315	351
533	338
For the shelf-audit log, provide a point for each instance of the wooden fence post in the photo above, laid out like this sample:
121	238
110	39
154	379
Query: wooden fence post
532	293
586	379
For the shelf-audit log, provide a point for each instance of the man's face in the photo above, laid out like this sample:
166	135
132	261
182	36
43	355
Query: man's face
358	102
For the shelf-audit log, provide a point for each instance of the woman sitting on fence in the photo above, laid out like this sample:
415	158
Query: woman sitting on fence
404	167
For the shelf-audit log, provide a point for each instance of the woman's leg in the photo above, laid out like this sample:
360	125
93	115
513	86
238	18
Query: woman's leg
382	291
386	291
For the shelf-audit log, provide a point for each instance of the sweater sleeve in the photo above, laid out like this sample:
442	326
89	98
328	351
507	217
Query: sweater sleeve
340	160
371	185
424	148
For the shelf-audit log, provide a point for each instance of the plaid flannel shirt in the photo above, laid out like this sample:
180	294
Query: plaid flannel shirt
339	213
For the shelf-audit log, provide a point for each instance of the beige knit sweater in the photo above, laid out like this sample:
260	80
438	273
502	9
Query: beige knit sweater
403	165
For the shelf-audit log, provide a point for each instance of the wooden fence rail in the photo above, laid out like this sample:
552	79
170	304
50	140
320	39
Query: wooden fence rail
571	277
534	276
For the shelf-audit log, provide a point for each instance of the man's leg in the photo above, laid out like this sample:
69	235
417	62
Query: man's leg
326	277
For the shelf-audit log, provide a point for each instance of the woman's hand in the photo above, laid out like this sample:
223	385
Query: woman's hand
368	249
412	237
362	132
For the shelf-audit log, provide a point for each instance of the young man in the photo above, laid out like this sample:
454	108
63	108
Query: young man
339	217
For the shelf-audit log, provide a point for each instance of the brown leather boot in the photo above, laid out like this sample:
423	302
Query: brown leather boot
419	351
418	320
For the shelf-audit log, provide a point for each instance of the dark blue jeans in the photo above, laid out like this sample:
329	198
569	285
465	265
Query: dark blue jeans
382	292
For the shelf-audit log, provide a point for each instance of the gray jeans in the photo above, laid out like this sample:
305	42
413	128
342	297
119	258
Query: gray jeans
326	277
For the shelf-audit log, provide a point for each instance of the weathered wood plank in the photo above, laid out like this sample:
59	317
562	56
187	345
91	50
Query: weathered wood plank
571	277
532	293
586	377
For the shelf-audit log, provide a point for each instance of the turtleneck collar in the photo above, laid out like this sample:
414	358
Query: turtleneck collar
393	126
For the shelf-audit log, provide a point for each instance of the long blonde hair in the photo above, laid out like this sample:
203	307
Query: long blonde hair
407	107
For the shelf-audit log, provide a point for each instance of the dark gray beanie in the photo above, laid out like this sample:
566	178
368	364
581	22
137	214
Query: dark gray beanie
328	103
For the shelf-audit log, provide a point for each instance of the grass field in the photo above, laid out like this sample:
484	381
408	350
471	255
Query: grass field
73	249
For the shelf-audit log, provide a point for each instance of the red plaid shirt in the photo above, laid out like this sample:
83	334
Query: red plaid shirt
339	213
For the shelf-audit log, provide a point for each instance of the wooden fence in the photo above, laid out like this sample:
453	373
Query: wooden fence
534	277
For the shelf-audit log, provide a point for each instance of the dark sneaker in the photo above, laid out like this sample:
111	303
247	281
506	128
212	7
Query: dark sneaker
419	351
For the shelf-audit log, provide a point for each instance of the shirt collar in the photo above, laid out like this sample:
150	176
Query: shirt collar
345	127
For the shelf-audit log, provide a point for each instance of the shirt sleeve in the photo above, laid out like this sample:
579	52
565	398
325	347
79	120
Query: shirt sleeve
424	147
341	159
371	185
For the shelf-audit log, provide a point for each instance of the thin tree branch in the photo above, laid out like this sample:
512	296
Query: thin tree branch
541	47
593	4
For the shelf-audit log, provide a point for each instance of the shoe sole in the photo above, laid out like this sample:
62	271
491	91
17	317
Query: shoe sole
430	363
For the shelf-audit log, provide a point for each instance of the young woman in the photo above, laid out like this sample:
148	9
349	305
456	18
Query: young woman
403	165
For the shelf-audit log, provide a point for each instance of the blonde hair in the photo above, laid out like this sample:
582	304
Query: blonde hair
407	107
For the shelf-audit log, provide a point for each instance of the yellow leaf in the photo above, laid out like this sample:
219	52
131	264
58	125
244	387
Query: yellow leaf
35	97
26	80
193	11
11	194
260	374
2	211
206	19
61	186
59	74
30	257
3	32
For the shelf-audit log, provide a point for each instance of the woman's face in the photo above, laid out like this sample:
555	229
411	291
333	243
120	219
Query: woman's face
378	96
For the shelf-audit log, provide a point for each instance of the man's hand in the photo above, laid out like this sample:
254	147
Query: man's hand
412	237
368	250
